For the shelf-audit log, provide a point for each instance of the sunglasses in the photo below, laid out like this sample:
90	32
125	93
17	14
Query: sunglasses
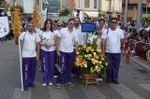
113	22
59	25
71	23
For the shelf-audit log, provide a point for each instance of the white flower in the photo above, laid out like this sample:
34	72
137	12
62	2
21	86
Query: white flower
100	62
85	65
103	59
96	67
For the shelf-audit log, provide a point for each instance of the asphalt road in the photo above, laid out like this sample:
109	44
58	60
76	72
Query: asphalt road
134	82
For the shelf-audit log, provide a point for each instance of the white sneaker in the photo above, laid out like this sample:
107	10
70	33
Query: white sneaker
44	84
50	84
99	79
55	76
70	84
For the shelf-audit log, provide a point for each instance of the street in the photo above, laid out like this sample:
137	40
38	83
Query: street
134	82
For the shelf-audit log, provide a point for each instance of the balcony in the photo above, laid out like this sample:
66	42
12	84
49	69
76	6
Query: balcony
134	1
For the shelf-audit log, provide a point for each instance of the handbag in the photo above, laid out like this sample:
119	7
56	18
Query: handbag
58	68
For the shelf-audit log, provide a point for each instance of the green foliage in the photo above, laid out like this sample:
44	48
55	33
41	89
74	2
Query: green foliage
64	12
101	15
1	1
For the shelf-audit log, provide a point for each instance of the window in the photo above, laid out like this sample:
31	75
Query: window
130	7
86	3
95	4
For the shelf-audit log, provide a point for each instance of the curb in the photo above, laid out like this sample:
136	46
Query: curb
142	64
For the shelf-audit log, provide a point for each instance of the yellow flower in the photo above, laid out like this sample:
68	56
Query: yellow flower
92	70
89	55
102	55
98	49
78	61
103	59
94	61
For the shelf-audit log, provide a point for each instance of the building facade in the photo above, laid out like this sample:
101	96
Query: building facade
100	8
132	7
92	8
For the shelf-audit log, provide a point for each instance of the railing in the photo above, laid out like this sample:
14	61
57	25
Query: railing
140	49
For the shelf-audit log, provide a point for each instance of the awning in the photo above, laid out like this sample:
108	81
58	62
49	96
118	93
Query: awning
91	13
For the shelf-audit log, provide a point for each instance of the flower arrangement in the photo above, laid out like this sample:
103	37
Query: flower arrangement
90	59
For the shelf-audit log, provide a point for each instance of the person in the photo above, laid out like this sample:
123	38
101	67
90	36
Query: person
66	41
112	45
97	40
127	50
30	53
48	52
82	39
101	23
60	25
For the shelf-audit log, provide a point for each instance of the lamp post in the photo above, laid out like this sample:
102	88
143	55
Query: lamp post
125	13
138	23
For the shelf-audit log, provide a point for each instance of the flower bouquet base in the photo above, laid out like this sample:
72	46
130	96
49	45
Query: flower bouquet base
90	79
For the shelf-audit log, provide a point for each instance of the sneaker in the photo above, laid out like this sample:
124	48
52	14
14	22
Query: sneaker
108	81
116	82
55	76
70	84
50	84
44	84
99	79
25	88
58	86
31	85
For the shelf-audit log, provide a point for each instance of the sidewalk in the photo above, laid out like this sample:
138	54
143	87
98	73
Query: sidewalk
142	63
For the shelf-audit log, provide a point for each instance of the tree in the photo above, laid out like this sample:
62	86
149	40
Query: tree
64	12
1	1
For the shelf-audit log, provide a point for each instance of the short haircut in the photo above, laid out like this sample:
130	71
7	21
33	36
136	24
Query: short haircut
71	19
113	18
101	20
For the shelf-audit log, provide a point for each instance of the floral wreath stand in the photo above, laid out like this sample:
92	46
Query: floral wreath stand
90	79
90	61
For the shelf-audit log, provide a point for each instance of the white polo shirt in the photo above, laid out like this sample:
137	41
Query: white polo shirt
67	40
57	31
113	38
82	36
29	44
147	29
48	38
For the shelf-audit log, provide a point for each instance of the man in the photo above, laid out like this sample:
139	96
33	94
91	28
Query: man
60	25
66	41
82	37
112	45
30	53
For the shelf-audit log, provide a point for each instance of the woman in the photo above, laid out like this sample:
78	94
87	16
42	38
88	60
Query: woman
97	38
47	52
97	41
